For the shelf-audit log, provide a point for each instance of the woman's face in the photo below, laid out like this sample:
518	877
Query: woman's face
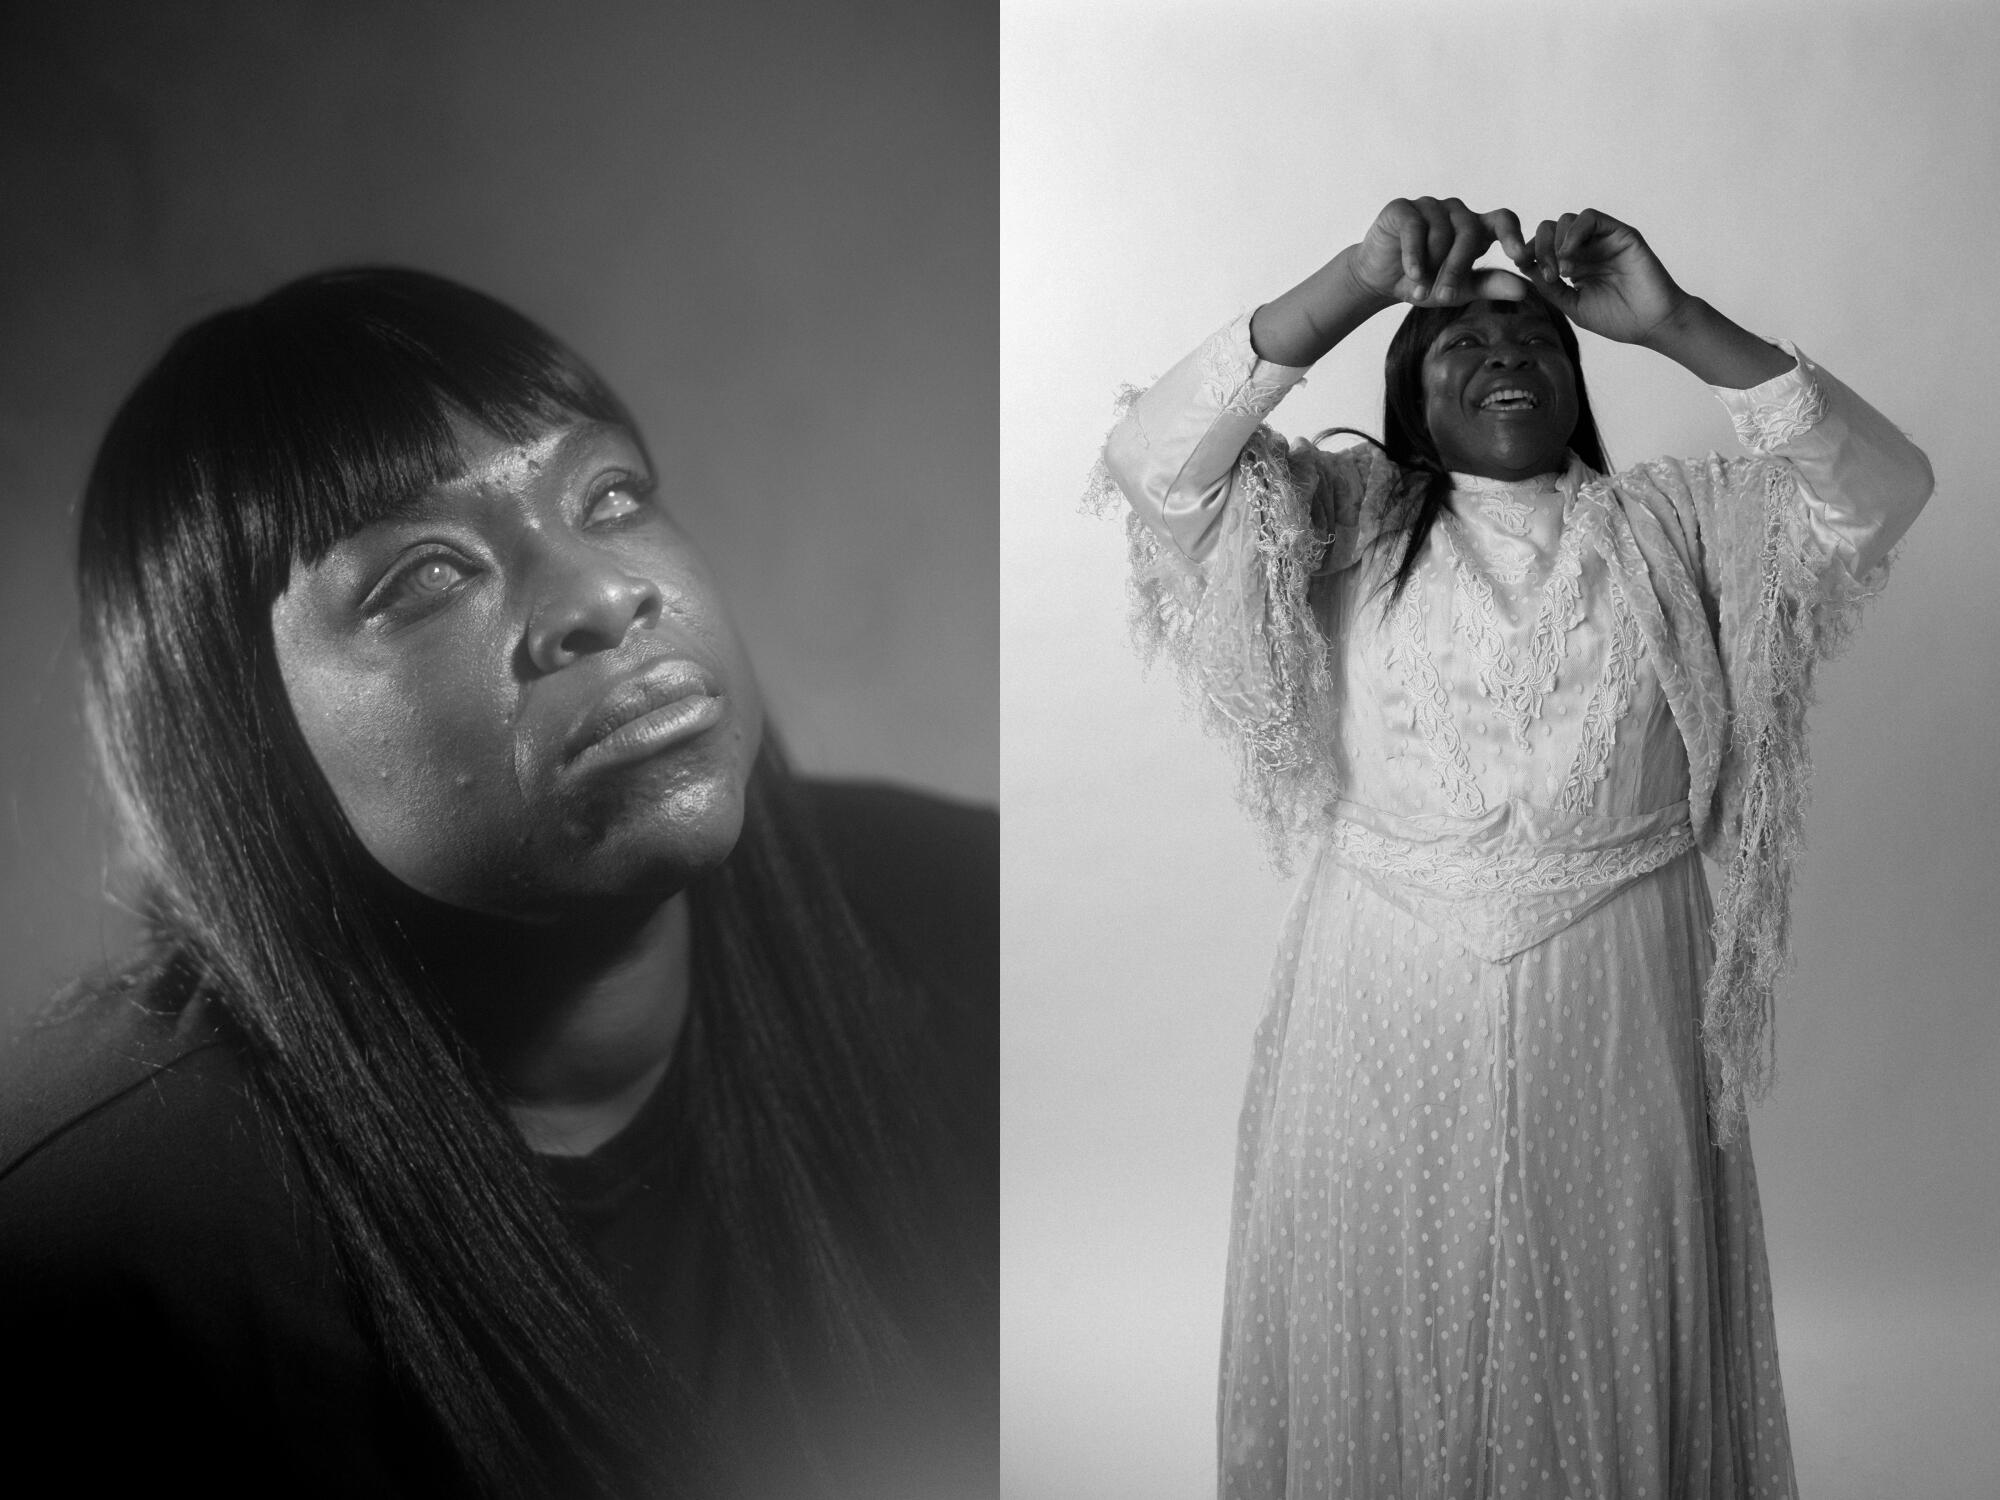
1499	391
522	688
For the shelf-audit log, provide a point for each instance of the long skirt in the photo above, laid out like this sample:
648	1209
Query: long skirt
1484	1244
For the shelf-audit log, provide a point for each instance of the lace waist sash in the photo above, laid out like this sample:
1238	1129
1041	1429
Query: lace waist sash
1508	879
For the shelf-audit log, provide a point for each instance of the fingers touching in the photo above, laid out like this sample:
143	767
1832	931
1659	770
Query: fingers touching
1439	239
1562	246
1506	229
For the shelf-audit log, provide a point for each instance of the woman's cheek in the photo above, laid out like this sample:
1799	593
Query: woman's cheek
426	781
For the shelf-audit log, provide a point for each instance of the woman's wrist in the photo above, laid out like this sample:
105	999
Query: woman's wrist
1714	348
1299	327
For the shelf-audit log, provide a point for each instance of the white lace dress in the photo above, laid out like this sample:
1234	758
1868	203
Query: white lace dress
1485	1242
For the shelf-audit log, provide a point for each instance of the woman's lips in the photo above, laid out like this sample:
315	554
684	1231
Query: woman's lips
666	704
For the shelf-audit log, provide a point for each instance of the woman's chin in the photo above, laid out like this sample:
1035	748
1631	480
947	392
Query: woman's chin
664	855
649	859
644	858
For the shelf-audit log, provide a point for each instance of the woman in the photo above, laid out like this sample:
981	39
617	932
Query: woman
1496	1228
528	1087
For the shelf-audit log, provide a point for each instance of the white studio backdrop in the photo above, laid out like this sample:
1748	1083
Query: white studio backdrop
1826	174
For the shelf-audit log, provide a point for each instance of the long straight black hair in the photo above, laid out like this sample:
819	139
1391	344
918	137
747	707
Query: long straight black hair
1406	435
265	434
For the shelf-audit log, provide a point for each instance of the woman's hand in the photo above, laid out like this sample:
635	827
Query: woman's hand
1418	251
1616	286
1421	251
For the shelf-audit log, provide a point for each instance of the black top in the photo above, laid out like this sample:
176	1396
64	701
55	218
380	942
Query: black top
170	1307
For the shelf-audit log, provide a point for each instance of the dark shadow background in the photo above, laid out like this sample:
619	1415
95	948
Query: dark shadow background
773	228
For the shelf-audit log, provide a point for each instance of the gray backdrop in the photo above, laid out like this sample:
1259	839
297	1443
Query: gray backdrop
1826	173
771	226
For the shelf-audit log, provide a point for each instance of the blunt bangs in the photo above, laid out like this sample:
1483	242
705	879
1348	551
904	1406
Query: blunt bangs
286	425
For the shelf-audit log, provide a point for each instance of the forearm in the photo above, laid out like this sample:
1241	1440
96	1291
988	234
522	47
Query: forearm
1715	349
1299	327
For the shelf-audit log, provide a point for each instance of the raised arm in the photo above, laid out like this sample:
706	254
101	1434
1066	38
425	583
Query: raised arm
1174	454
1605	277
1864	480
1418	251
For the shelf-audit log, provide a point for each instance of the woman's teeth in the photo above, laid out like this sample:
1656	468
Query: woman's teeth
1509	400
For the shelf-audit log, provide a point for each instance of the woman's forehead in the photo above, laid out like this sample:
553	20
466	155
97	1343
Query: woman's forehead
487	461
489	457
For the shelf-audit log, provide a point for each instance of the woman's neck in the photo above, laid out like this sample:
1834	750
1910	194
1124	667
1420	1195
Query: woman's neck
1544	474
576	1022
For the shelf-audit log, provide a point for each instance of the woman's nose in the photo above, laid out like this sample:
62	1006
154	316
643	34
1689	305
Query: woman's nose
587	605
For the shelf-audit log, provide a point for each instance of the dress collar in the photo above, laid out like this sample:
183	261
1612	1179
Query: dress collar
1534	511
1566	482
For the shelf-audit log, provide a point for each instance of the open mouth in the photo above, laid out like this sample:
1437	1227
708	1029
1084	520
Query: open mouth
1510	398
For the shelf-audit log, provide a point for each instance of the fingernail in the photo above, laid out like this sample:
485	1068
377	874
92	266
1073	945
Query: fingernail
1417	292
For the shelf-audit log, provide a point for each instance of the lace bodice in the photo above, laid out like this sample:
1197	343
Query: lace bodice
1504	751
1511	669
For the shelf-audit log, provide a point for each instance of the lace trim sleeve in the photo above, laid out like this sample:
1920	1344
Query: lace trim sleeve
1240	629
1782	409
1755	597
1784	607
1236	380
1174	449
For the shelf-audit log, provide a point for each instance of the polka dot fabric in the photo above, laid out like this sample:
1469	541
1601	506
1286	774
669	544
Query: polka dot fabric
1484	1246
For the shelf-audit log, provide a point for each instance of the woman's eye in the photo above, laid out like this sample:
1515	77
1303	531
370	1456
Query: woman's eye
425	581
616	503
435	575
